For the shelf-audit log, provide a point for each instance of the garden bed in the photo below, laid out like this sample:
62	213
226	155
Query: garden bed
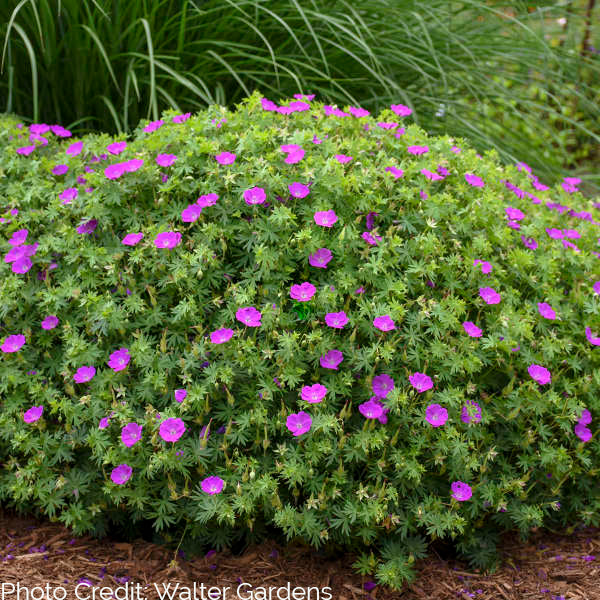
551	565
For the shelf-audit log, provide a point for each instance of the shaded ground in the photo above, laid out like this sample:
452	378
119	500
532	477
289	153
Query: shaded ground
550	566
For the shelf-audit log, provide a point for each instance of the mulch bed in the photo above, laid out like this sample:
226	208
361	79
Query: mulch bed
32	553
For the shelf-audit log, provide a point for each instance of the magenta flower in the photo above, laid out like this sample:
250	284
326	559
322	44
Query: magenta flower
421	382
313	393
18	237
114	171
207	200
555	234
539	374
546	311
153	126
21	265
371	409
395	171
489	295
25	150
461	491
167	239
430	175
249	316
116	147
326	218
387	125
225	158
370	239
84	374
212	485
331	360
470	407
343	158
595	341
583	433
165	160
171	429
382	385
586	417
131	239
514	214
255	195
67	195
87	227
358	112
418	149
294	153
570	245
119	359
121	474
486	267
60	169
596	287
13	343
384	323
336	320
74	149
401	110
436	415
298	423
50	322
572	234
529	242
221	336
180	395
472	329
298	190
267	105
181	118
474	180
322	256
131	434
104	423
303	292
33	414
191	214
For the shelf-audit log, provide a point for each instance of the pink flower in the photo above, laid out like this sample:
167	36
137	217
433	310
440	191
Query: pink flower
212	485
371	409
555	234
358	112
181	118
167	239
131	434
596	287
529	242
225	158
121	474
255	195
298	423
343	158
326	218
104	423
50	322
298	190
313	393
382	385
68	195
474	180
119	359
130	166
546	311
331	360
572	234
84	374
303	292
514	214
586	417
180	395
387	125
74	149
249	316
461	491
153	126
472	329
220	336
116	147
418	149
322	256
131	239
165	160
489	295
13	343
114	171
469	407
371	239
33	414
595	341
25	150
430	175
191	214
401	110
336	320
171	429
583	433
207	200
421	382
436	415
18	237
384	323
539	374
60	169
268	105
395	171
294	153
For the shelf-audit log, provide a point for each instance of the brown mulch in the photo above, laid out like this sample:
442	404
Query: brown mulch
32	553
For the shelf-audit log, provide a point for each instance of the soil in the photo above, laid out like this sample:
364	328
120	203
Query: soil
550	566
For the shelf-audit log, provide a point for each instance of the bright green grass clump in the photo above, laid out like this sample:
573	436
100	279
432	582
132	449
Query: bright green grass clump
304	318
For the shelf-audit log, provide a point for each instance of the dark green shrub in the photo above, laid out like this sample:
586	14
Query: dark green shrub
415	248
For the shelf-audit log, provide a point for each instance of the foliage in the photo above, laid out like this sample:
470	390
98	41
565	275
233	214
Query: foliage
102	65
378	486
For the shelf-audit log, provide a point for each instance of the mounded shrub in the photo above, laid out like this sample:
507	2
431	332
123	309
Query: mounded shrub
300	318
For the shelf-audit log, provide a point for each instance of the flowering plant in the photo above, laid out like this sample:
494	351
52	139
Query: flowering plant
203	336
